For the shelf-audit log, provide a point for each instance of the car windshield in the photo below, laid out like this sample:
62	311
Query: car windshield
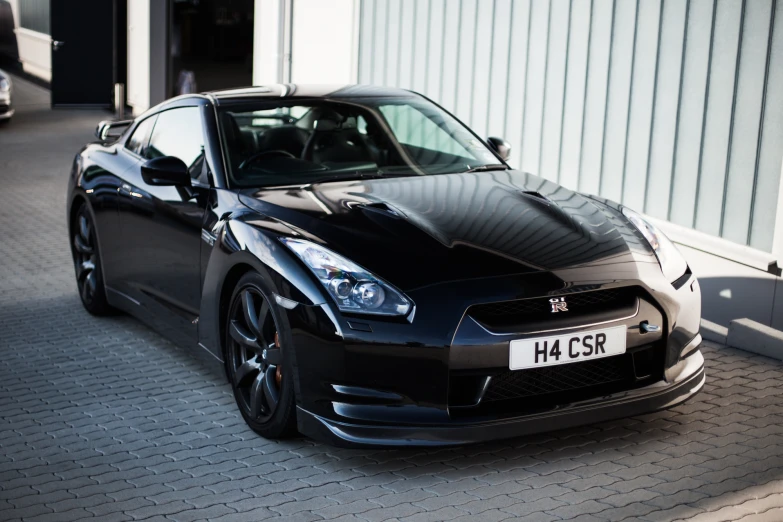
302	141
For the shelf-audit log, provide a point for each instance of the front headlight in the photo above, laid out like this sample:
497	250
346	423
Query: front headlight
353	288
5	84
673	265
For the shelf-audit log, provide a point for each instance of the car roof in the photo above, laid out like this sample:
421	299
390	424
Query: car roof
292	90
276	91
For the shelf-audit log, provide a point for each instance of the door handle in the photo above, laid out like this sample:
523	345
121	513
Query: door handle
57	44
125	190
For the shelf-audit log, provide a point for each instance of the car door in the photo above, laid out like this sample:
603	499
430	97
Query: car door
161	228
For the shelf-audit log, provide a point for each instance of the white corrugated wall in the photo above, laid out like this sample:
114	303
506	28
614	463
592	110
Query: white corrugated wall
674	107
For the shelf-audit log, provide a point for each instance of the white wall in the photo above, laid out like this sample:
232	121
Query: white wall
324	40
266	42
318	36
146	54
137	90
35	53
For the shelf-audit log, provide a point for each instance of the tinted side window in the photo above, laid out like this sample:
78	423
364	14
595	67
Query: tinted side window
138	140
178	133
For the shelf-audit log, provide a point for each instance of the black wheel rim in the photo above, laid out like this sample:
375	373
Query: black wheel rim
255	354
85	257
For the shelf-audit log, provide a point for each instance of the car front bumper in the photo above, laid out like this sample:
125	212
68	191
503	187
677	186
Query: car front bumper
6	109
657	396
384	383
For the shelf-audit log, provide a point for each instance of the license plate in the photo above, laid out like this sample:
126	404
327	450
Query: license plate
565	349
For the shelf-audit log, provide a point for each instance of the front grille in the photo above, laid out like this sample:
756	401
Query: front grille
540	305
554	379
4	108
538	310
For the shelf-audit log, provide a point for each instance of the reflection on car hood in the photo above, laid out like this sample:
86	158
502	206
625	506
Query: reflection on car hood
421	230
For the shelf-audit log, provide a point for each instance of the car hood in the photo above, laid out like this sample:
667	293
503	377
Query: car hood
422	230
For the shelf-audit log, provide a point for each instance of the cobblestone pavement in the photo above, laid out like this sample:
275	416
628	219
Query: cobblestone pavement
103	418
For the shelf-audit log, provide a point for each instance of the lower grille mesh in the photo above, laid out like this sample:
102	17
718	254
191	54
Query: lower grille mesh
561	378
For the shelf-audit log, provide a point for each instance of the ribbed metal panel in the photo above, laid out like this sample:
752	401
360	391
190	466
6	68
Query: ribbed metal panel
34	15
670	106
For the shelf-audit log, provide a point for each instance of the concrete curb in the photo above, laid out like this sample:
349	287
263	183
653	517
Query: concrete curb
754	337
713	332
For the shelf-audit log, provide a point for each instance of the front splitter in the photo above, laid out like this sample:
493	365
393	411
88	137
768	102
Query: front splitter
657	396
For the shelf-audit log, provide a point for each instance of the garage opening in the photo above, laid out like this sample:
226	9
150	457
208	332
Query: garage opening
211	45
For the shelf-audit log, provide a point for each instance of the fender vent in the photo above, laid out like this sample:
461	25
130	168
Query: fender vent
537	195
379	207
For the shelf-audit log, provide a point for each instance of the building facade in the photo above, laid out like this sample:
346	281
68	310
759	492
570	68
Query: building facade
213	44
673	107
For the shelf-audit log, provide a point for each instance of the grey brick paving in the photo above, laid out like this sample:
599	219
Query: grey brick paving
103	418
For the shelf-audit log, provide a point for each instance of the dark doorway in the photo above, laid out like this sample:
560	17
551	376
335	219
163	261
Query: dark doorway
9	50
85	51
211	45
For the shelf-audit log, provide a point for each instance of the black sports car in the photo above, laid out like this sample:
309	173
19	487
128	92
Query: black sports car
369	271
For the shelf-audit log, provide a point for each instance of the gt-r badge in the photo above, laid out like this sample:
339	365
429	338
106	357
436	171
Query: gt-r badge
558	304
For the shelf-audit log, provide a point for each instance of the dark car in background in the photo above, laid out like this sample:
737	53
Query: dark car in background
6	88
368	271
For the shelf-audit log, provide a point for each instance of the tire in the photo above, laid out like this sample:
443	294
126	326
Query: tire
257	366
87	264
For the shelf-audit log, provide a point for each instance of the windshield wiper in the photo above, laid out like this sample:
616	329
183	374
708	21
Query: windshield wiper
359	175
483	168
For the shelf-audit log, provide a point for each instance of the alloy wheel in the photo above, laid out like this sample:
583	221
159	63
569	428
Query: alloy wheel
255	356
85	257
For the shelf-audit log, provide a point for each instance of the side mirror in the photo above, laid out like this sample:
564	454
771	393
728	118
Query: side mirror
166	170
111	130
500	146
